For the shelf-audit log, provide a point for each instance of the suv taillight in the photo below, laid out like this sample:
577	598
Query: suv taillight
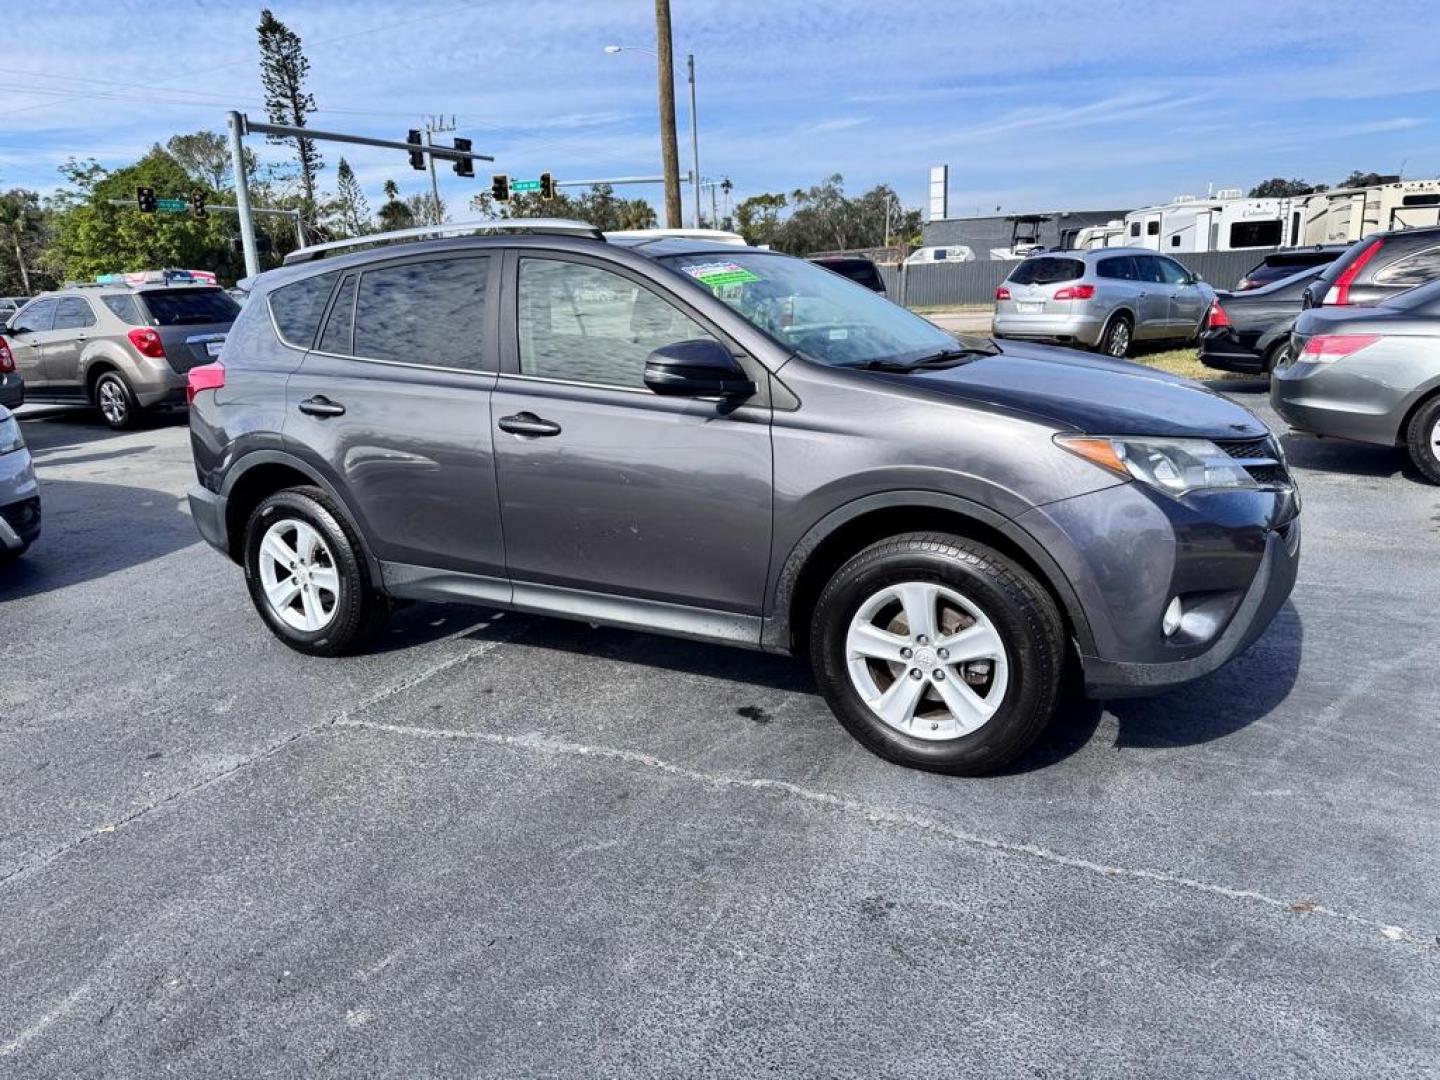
147	342
1217	316
1339	292
1002	293
7	358
1076	292
204	377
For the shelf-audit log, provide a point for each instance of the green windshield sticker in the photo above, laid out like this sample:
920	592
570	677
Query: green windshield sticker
717	274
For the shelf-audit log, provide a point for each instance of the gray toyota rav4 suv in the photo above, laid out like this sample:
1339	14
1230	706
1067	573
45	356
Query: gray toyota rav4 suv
737	446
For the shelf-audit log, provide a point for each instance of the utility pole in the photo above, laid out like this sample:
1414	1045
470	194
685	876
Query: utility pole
242	195
670	157
694	139
433	126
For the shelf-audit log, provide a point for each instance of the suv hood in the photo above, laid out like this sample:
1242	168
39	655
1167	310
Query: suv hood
1092	394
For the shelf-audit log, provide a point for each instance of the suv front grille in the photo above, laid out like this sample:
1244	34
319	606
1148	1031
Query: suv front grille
1261	458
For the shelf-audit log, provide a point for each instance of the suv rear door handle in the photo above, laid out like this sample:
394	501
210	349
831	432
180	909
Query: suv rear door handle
320	405
527	423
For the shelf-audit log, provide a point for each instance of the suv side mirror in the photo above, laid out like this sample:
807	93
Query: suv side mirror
697	368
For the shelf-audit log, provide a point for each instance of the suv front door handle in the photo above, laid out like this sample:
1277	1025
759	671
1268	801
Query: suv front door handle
527	423
321	406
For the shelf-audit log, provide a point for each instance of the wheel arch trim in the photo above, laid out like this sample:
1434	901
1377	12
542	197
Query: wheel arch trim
777	633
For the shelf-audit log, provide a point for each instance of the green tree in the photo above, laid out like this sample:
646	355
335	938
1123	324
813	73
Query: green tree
1365	179
352	212
93	237
759	218
824	218
23	236
599	206
395	213
283	69
1277	187
205	155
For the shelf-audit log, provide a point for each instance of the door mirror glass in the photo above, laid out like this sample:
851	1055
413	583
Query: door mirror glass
696	368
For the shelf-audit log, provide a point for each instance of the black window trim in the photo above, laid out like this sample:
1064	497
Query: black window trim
510	348
487	367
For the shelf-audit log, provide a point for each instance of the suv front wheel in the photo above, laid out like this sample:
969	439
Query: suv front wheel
938	653
306	574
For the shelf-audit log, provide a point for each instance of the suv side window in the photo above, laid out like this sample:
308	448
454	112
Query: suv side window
1147	268
1117	268
35	317
1172	272
430	312
339	335
297	308
125	308
73	313
1414	269
582	324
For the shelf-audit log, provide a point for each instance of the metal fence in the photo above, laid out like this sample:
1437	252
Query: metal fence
946	284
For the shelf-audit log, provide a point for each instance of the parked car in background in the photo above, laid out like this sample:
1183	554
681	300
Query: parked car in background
1377	267
1104	299
122	348
640	436
9	305
1279	265
19	492
12	386
1249	331
940	253
1368	373
859	270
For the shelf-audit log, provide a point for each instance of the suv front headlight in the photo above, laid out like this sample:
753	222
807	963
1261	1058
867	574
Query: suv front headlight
10	437
1175	466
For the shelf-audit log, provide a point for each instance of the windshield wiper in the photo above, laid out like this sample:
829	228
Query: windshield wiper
942	359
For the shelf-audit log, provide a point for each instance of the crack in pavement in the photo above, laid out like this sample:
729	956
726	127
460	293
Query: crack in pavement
539	743
26	870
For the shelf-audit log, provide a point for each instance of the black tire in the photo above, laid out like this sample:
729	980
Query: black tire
1119	334
9	555
1423	440
116	401
1278	352
358	609
1019	607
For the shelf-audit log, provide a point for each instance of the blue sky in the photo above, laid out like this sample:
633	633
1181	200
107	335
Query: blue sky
1034	105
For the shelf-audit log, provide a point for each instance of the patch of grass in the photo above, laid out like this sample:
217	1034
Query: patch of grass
951	309
1182	362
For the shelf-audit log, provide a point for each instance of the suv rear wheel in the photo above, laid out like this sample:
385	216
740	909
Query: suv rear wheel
115	401
1117	337
1423	440
306	574
938	653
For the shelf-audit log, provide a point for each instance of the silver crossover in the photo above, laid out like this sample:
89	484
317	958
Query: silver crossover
1106	299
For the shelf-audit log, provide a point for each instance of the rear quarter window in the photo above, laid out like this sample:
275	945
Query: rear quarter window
1117	267
124	307
1415	269
297	308
1047	270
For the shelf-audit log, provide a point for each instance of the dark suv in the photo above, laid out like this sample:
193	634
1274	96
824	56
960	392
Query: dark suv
1377	267
741	447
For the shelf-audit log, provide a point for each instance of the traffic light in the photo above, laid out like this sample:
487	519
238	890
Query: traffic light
500	187
547	186
464	166
145	199
197	203
417	159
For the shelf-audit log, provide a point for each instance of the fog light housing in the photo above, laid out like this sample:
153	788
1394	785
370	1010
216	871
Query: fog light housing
1170	621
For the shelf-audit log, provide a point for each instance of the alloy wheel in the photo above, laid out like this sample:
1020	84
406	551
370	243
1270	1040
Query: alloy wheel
927	661
299	576
114	404
1119	339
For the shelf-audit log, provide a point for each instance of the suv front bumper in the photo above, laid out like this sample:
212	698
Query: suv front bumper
1230	556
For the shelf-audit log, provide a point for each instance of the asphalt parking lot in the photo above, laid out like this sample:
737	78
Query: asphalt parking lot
499	845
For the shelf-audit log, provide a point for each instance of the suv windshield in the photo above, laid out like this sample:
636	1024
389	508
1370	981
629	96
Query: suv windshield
819	314
189	307
1047	270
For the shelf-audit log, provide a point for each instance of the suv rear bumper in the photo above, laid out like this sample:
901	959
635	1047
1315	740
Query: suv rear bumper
1084	329
208	512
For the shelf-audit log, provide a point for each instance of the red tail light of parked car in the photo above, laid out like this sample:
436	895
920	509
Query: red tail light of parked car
147	342
1327	348
1002	293
1217	316
204	377
7	358
1076	292
1339	292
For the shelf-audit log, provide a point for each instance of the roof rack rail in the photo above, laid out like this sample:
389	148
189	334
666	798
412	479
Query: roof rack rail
552	226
